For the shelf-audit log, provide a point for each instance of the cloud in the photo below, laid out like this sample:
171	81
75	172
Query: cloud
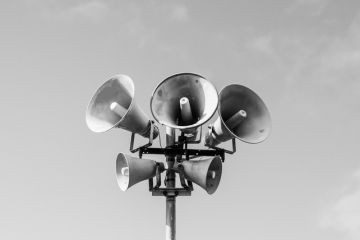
343	215
180	13
314	7
318	74
144	23
338	64
344	51
262	44
93	10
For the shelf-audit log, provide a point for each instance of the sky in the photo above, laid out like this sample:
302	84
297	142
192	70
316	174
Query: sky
301	56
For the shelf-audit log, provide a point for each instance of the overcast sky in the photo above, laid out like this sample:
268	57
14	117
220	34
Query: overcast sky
57	178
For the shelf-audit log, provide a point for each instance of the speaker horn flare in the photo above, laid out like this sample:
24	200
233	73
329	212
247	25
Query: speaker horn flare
113	105
242	115
131	170
184	101
204	171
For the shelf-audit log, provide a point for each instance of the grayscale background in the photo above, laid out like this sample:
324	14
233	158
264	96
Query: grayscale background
57	178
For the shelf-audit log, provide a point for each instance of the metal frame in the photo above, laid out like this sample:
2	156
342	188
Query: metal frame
186	189
186	140
152	126
179	149
176	153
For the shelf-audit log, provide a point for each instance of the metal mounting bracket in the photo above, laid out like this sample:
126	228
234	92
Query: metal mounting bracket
233	143
157	191
232	151
152	126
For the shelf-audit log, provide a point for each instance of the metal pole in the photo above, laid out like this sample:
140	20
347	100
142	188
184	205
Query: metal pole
170	231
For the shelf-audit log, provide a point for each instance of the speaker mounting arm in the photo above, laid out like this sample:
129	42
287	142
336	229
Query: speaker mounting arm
233	143
157	191
185	152
185	140
181	172
159	169
152	126
225	150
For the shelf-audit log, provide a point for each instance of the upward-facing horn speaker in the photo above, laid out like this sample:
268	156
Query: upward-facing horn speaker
184	101
242	115
131	170
113	105
205	172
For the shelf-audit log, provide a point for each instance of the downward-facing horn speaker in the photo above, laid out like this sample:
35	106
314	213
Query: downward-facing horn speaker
242	115
184	101
113	105
205	172
131	170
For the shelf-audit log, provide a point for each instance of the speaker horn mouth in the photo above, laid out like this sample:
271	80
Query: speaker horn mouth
122	167
99	115
256	125
215	169
167	97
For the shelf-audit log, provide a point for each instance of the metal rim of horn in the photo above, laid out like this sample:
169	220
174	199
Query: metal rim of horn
256	127
201	93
